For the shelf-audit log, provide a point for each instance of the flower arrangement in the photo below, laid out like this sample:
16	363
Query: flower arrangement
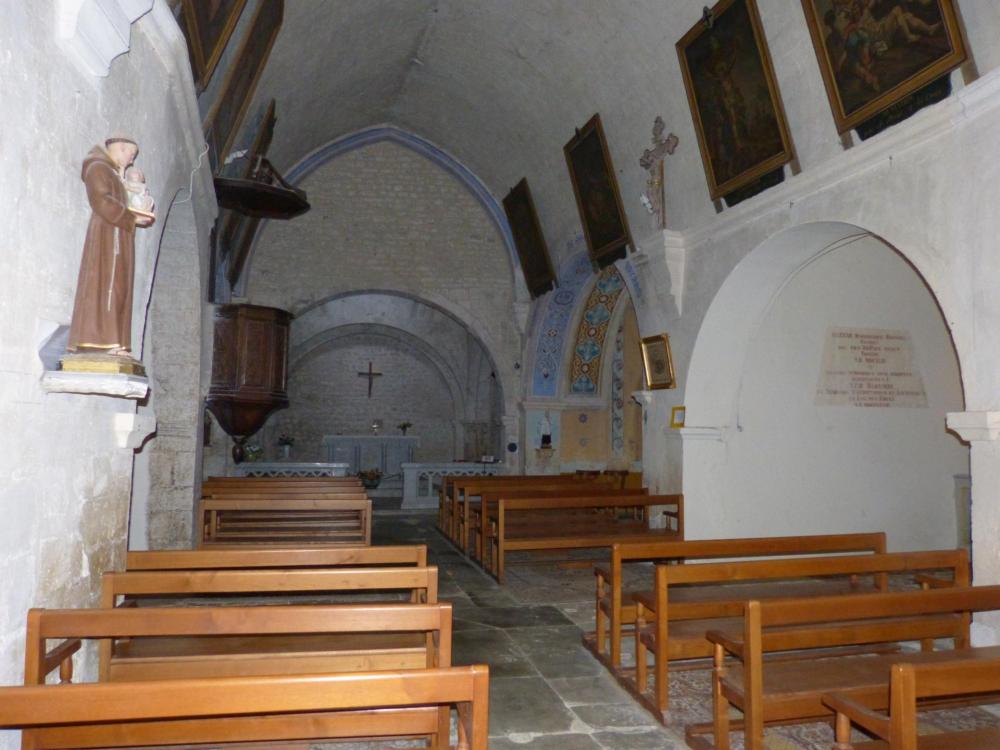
284	439
404	426
370	478
252	452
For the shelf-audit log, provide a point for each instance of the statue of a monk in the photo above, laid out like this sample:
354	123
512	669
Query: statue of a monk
102	313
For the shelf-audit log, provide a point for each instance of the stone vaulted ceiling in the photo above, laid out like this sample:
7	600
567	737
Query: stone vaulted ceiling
499	84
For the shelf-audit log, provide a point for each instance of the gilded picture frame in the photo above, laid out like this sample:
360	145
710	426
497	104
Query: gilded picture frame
595	187
733	94
657	362
222	123
532	250
208	27
872	55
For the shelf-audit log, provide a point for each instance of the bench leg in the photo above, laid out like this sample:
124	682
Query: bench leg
600	632
843	732
720	706
640	650
442	740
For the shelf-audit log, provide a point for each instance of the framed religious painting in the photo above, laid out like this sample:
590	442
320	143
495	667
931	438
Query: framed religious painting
657	362
207	25
598	200
529	240
734	99
873	53
222	123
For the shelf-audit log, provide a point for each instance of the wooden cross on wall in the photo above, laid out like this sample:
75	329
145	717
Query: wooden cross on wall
371	375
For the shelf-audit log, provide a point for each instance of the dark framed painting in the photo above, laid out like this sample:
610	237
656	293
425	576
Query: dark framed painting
734	99
223	121
237	230
536	265
873	53
598	200
207	25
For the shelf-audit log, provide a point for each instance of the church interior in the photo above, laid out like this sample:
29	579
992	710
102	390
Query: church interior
418	322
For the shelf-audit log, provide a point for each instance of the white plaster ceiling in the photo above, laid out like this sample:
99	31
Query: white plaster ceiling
500	84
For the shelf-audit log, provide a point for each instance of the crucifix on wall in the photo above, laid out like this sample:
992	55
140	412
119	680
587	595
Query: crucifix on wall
371	375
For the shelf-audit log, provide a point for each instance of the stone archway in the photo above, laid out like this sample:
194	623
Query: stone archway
166	475
724	391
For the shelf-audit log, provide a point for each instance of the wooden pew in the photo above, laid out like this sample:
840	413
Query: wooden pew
781	691
154	591
292	483
314	518
490	498
575	522
250	709
266	641
974	673
454	519
277	557
689	599
614	609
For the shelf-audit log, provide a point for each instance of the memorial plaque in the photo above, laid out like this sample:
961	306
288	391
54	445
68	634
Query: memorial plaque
869	367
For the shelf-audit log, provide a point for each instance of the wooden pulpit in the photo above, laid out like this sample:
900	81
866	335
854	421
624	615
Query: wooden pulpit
249	369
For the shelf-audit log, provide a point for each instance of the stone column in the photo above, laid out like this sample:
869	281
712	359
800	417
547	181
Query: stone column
982	430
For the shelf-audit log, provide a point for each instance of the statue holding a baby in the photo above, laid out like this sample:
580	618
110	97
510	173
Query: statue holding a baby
101	329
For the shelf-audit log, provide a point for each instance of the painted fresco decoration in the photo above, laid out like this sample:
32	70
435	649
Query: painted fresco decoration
618	393
585	370
551	332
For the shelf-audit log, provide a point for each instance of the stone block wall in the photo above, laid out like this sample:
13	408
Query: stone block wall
385	217
64	481
329	398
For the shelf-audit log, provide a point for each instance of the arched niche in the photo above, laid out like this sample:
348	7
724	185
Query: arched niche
762	453
464	362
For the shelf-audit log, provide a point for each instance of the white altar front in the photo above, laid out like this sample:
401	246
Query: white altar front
422	481
387	453
289	469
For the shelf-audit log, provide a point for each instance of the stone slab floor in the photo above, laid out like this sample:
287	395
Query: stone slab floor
546	691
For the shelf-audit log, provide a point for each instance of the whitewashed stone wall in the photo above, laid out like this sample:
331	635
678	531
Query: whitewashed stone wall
328	398
64	485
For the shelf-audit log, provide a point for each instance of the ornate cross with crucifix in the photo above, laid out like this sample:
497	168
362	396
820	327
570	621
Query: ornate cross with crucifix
371	375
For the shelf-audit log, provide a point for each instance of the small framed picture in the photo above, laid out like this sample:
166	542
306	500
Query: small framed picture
677	414
657	362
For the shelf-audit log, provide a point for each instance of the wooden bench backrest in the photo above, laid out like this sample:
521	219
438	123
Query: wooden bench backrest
609	499
349	492
161	584
291	557
303	501
137	622
956	560
277	481
209	711
491	496
470	486
831	609
749	547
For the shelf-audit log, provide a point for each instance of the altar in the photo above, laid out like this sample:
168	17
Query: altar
387	453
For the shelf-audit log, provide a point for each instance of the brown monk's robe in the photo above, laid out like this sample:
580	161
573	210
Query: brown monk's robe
102	313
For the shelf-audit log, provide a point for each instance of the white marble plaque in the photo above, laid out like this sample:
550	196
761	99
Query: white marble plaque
869	367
